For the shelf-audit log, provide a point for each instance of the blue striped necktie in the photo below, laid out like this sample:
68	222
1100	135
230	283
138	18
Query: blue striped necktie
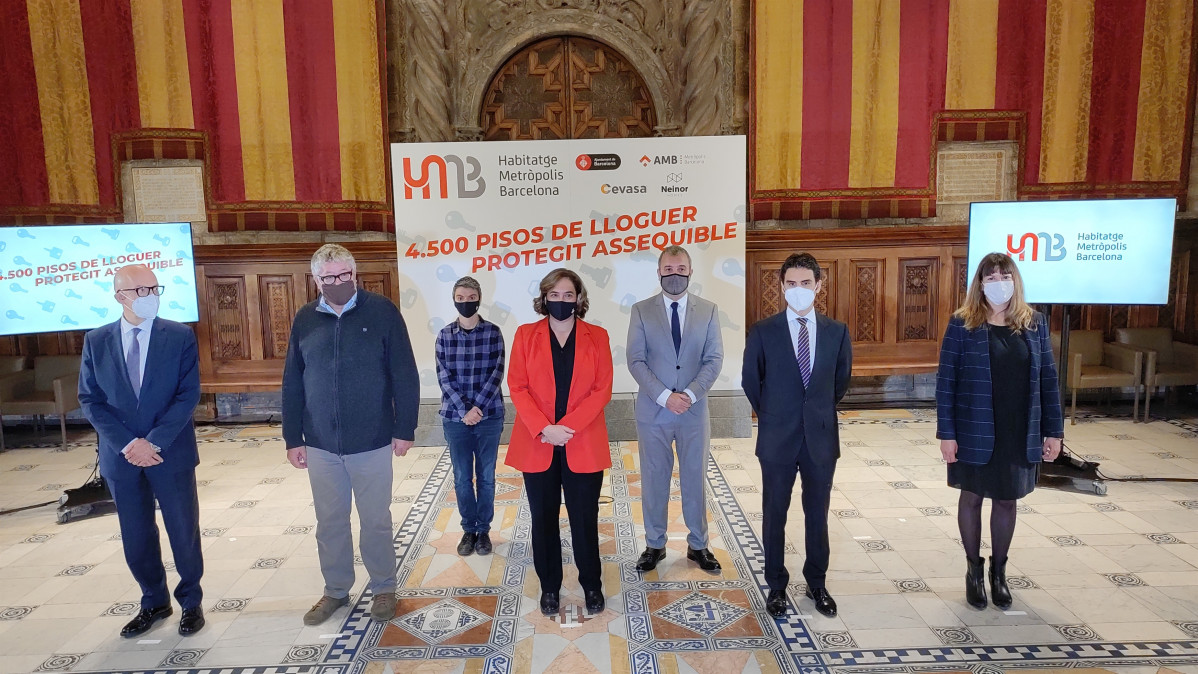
803	352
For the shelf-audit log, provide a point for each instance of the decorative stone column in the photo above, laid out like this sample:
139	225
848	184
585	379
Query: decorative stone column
428	49
700	63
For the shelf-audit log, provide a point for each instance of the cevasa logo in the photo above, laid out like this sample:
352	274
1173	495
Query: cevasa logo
622	189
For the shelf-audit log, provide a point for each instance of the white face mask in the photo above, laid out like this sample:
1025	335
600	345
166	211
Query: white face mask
146	307
799	298
998	292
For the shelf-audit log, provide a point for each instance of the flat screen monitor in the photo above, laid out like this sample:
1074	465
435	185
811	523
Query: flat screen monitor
59	277
1102	251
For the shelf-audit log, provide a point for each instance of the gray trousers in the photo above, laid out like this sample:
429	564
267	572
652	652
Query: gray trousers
367	477
655	444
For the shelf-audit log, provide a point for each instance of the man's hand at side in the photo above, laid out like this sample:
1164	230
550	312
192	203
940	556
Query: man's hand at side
298	457
400	447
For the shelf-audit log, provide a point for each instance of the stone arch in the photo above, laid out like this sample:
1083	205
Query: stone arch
481	67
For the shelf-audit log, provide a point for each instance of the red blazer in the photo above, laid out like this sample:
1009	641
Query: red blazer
533	393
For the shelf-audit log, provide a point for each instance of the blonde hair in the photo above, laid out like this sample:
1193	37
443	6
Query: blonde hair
539	304
976	309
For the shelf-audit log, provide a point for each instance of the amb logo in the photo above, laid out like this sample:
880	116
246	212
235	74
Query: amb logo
1054	246
434	173
659	159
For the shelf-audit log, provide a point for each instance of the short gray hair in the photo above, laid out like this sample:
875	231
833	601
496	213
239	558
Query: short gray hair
332	252
468	282
673	250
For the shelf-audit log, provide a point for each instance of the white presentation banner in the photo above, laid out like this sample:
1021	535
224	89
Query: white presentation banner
509	212
1100	251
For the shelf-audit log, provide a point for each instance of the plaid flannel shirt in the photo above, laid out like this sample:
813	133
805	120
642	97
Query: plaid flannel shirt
470	370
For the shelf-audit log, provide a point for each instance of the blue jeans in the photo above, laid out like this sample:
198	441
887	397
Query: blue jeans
473	451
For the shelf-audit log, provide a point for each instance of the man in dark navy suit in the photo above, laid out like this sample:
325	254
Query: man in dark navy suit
797	367
139	384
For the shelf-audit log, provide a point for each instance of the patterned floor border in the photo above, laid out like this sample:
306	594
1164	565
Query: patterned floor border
794	647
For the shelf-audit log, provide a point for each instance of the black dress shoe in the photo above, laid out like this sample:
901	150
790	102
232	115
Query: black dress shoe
482	544
824	603
649	559
549	603
466	545
191	621
704	558
775	603
144	620
595	601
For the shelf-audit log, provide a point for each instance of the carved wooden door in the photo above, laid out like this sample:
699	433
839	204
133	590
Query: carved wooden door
567	87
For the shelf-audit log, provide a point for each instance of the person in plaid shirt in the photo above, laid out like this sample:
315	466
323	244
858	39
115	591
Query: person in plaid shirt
470	371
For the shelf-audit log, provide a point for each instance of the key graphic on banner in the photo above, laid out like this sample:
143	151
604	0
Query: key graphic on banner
113	234
600	276
78	241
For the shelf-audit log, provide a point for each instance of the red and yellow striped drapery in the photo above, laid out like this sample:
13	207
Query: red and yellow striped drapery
282	98
851	96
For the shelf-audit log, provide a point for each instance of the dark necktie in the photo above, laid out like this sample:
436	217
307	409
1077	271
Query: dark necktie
133	363
803	352
675	327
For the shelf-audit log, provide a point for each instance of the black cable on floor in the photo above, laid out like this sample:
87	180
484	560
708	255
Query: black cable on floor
28	507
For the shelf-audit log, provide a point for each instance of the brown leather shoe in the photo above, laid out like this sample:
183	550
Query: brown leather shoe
323	608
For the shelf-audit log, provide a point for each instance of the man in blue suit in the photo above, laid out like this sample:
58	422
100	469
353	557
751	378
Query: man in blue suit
139	384
796	369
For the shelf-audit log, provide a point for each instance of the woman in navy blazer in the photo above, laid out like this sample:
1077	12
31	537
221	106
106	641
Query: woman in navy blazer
998	414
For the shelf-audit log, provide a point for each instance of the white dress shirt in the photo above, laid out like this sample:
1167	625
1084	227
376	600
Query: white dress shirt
665	395
792	322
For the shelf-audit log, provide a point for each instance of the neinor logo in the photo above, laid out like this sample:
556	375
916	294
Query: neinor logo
423	180
622	189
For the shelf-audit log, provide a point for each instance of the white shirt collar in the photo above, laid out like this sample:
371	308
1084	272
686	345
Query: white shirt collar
791	314
127	327
681	302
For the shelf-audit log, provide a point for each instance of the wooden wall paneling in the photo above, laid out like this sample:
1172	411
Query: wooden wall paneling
827	299
277	304
866	300
202	329
228	316
918	294
960	279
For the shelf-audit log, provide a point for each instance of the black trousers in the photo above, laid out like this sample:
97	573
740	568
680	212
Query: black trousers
778	481
180	506
544	492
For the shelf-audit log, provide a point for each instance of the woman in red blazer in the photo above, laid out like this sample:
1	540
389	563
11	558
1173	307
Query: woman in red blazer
559	376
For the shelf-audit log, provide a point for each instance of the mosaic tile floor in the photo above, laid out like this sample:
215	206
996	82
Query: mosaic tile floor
1100	581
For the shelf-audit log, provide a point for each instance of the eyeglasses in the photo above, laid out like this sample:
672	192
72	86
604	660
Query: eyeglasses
144	291
336	278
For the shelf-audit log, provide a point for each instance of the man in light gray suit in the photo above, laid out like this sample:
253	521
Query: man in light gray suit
675	354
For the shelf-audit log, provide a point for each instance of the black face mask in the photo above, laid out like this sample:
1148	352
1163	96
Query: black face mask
560	310
674	284
466	309
339	294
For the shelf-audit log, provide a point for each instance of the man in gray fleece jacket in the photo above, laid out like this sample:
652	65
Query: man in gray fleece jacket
350	398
